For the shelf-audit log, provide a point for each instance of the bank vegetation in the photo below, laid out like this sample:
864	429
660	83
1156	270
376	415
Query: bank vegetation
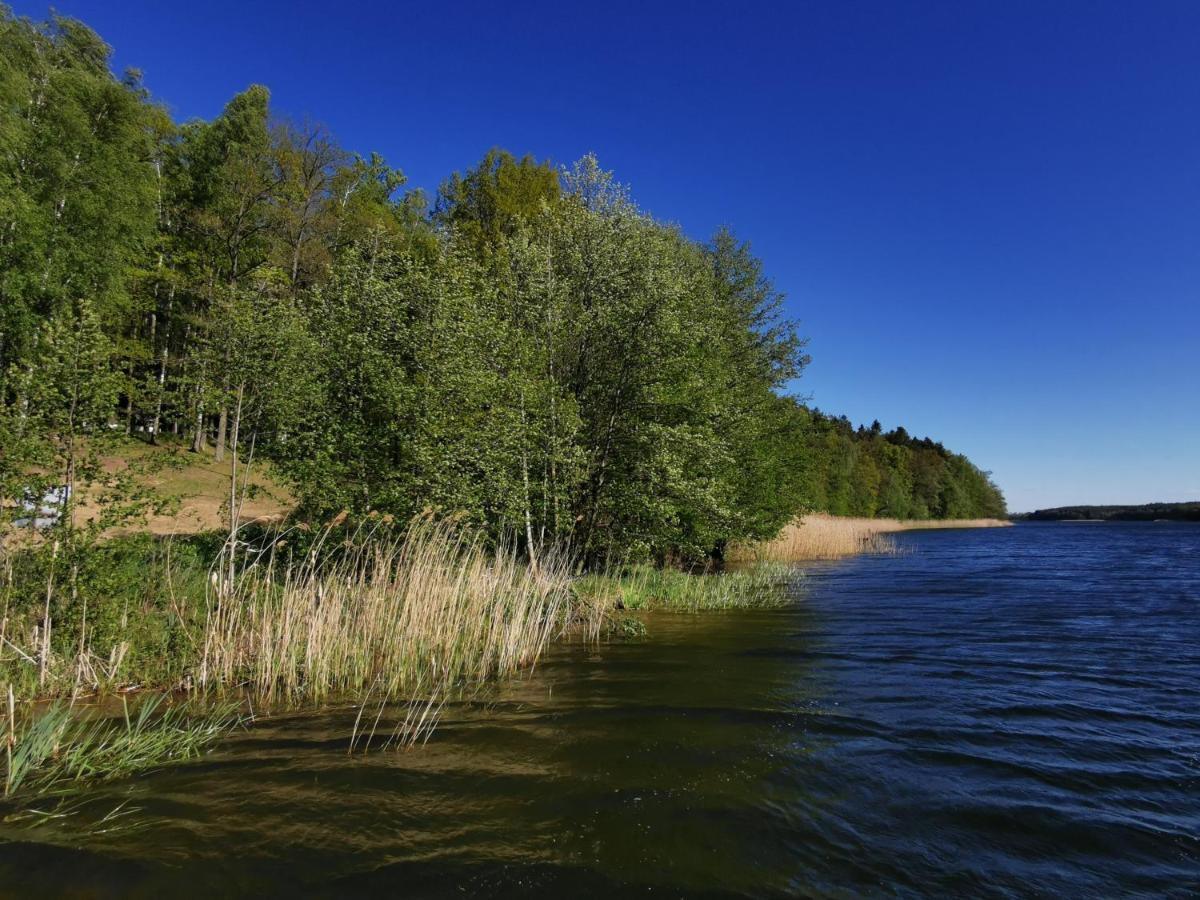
548	382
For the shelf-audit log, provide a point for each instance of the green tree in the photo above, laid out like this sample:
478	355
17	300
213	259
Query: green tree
487	204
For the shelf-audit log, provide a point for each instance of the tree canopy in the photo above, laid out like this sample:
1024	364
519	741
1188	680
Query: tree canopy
534	354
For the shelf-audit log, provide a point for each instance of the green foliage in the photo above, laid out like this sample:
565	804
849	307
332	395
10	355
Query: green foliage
488	203
132	611
76	199
590	378
866	472
535	355
647	587
1146	512
62	746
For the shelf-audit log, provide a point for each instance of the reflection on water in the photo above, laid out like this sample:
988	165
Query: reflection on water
1000	712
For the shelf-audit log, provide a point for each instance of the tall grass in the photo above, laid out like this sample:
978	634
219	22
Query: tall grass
390	621
58	746
648	587
431	609
819	536
374	617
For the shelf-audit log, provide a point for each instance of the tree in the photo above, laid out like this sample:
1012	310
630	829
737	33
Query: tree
352	447
307	162
535	354
487	203
76	185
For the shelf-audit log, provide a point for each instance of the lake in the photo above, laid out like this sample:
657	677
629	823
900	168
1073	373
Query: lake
1003	712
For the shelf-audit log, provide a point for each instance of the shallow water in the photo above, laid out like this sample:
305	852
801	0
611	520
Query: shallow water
1003	712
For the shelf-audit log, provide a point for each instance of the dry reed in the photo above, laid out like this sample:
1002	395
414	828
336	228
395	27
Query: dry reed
425	612
820	536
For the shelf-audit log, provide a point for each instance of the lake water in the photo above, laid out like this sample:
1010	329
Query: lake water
1008	712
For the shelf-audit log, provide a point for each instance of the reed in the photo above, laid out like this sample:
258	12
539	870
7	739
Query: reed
650	587
60	745
819	536
395	623
426	611
421	717
381	619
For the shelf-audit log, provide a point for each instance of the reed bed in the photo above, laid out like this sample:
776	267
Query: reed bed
389	622
427	611
395	623
648	587
818	536
53	748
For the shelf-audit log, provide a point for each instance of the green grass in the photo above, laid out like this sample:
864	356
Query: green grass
373	616
649	588
60	747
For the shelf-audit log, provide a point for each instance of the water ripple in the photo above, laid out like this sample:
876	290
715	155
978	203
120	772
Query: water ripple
1001	713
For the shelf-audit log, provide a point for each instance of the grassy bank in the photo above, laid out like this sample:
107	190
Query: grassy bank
650	588
302	617
190	491
818	536
298	618
369	615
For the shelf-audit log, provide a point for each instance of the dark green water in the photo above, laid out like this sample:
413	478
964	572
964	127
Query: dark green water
995	713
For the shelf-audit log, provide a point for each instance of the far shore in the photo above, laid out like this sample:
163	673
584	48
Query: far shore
819	536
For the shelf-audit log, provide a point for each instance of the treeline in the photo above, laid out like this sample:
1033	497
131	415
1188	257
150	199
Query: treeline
529	351
866	471
1144	512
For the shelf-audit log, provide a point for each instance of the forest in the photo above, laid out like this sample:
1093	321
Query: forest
504	414
1145	512
870	472
526	351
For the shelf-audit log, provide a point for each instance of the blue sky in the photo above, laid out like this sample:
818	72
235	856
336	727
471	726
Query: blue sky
985	215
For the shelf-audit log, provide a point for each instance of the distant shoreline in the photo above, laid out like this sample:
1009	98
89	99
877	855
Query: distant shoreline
1146	512
818	536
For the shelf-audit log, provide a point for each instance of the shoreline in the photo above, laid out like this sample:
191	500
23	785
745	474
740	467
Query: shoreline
821	536
262	640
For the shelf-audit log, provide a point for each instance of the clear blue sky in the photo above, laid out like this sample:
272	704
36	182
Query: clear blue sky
986	215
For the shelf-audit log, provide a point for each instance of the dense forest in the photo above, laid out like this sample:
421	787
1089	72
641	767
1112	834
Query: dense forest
870	472
1145	512
527	350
